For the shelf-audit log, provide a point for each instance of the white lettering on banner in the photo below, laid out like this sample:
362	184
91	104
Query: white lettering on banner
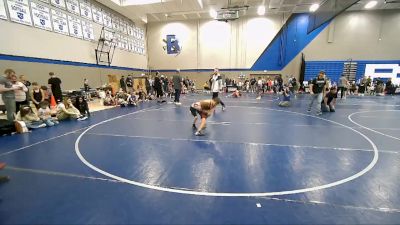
136	46
86	10
115	23
41	16
130	30
125	43
73	6
123	27
107	20
87	29
97	15
130	45
117	40
75	28
58	3
109	36
371	70
60	22
3	13
19	11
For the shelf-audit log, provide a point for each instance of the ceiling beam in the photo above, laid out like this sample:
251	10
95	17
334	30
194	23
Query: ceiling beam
198	15
184	16
155	17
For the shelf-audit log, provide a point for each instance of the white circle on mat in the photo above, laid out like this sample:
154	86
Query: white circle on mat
232	194
368	128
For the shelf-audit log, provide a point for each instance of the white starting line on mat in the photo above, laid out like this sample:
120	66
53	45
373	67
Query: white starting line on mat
242	143
40	142
319	203
258	205
230	194
62	135
53	173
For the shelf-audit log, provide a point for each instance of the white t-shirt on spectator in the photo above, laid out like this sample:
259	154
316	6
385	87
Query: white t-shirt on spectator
20	95
44	113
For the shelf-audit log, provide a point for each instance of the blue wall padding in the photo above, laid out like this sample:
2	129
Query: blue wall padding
287	44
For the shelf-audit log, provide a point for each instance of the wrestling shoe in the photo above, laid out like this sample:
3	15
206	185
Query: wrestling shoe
199	133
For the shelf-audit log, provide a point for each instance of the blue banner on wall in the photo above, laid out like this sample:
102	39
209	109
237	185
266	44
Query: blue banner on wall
173	46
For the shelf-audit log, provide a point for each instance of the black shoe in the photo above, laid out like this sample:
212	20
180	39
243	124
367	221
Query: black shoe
4	179
194	127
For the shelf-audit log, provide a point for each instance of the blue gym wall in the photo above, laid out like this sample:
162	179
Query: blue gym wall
287	44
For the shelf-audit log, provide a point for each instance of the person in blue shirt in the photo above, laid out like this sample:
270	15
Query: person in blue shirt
286	98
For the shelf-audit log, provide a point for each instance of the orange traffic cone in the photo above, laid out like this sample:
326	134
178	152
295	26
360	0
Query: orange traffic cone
53	103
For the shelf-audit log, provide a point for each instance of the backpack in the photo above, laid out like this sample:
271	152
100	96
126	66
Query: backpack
6	127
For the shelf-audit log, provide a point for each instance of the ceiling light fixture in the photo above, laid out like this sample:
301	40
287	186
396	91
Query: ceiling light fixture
261	10
314	7
200	3
370	4
213	13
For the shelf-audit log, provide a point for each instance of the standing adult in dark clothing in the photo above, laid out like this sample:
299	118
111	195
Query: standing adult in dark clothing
177	80
280	83
389	87
148	86
122	83
129	83
317	89
165	85
55	85
158	87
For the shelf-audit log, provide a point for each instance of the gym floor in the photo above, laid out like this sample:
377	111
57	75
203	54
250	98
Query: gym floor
257	164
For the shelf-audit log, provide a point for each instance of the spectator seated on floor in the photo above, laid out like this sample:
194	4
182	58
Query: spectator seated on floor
140	94
31	120
83	107
151	97
285	98
44	114
329	101
66	110
109	100
121	98
132	99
